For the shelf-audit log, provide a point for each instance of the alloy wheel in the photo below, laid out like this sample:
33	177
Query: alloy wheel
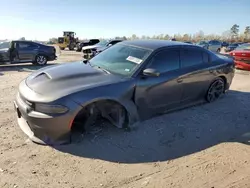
215	90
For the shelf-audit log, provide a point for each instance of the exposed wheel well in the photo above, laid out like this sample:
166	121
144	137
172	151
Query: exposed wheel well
97	110
225	81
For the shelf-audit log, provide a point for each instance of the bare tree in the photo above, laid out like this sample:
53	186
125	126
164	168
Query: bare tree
235	31
247	33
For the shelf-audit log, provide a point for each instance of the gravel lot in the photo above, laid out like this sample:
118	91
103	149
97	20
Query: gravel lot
202	146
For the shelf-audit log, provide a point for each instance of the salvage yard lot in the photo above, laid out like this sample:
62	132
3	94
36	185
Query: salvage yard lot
202	146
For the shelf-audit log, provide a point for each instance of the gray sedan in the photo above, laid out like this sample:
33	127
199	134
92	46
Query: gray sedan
129	82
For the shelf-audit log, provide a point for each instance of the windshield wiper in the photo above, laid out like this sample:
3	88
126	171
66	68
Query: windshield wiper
104	70
87	61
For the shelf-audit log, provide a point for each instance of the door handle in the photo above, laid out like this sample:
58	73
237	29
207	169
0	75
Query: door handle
179	80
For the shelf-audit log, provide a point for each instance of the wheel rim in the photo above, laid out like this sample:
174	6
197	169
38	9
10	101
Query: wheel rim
41	60
215	90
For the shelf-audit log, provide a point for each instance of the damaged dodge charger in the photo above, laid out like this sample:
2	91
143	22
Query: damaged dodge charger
129	82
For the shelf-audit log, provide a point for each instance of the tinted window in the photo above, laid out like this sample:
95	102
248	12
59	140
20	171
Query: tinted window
166	60
23	45
215	42
190	57
205	57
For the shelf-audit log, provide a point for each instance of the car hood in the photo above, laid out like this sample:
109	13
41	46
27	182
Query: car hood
61	80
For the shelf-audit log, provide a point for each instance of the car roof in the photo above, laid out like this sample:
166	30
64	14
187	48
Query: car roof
153	44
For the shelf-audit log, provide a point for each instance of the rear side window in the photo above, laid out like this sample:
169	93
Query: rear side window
23	45
165	60
191	57
205	57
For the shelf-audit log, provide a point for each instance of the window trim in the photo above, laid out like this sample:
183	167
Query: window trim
27	43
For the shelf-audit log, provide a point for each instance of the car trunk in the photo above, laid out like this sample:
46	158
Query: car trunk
242	56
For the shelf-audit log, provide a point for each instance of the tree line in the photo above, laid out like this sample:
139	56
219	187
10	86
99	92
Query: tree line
231	35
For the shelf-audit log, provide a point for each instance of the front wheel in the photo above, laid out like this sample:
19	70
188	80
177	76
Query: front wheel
215	90
41	60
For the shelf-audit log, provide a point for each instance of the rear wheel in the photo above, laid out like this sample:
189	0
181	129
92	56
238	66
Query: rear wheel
215	90
41	60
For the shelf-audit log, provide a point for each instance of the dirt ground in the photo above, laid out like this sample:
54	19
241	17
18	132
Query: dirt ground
206	146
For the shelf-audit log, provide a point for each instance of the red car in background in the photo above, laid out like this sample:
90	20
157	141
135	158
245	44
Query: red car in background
242	56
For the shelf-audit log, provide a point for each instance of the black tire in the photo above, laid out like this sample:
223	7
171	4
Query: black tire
41	60
216	89
71	47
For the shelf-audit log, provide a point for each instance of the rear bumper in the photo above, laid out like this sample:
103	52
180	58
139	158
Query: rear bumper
242	65
52	57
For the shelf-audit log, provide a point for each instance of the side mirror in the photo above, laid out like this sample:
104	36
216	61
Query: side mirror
151	73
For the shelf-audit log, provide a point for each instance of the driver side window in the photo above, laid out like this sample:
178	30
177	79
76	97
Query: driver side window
165	60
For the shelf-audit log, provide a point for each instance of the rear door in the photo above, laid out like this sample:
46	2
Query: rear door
196	73
27	50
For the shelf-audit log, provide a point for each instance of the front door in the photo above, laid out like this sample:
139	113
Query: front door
156	94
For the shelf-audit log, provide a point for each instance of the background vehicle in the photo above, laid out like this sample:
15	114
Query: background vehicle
214	45
68	40
203	44
128	82
26	51
90	51
224	44
242	56
188	42
232	46
86	43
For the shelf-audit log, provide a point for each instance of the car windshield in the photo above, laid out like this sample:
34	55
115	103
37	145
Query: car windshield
243	47
202	42
102	43
4	45
120	59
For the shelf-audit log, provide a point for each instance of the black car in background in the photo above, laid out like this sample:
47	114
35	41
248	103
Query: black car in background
203	44
90	51
224	44
19	51
86	43
232	46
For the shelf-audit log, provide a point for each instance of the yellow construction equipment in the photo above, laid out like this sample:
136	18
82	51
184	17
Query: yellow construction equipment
68	40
